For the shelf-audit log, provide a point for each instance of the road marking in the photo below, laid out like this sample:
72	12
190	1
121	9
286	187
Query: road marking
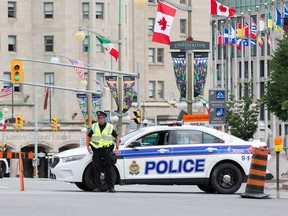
3	187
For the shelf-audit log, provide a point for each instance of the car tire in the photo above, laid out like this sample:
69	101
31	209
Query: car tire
81	186
88	179
206	188
226	178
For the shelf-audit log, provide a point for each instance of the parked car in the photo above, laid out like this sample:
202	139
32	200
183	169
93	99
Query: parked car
166	155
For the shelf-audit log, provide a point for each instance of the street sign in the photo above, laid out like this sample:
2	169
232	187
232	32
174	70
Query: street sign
190	45
217	106
196	119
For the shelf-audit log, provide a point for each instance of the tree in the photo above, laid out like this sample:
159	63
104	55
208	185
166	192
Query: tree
276	96
242	115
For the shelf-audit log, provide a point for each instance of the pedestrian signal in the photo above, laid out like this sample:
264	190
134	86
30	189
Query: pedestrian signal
278	147
19	121
54	124
137	114
17	75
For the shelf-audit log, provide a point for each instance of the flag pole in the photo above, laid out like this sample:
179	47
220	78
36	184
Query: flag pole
258	67
229	60
235	80
216	53
272	51
266	69
222	56
249	46
242	56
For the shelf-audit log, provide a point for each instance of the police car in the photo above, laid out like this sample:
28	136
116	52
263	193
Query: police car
166	155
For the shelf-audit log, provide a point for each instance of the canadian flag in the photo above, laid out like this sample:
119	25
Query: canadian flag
164	19
221	10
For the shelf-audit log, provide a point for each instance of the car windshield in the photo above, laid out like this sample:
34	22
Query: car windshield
130	135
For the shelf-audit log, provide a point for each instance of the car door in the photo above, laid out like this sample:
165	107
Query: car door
147	157
194	152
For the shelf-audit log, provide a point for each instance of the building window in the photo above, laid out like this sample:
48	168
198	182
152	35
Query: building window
151	24
99	11
160	89
160	53
49	79
12	43
151	89
85	10
99	47
86	44
183	26
151	55
48	43
100	78
12	9
48	10
7	76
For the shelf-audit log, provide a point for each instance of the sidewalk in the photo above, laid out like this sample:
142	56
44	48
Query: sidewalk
283	181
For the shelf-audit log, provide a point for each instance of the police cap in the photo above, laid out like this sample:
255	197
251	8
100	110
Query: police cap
101	114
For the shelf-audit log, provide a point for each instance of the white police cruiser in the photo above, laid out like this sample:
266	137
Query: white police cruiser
167	155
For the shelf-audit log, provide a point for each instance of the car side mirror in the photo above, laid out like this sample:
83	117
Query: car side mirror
135	144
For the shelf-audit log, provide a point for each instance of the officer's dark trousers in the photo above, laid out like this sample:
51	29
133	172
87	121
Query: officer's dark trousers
102	163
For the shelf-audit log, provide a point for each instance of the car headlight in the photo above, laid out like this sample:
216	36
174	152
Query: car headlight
72	158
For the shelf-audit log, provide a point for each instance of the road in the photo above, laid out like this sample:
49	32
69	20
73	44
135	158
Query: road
43	197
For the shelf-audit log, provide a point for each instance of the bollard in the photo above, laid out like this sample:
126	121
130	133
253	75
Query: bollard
21	172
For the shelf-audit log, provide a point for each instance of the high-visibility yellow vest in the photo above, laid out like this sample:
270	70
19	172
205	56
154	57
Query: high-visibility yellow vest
104	139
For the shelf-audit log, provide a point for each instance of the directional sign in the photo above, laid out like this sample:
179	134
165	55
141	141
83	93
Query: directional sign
190	45
217	106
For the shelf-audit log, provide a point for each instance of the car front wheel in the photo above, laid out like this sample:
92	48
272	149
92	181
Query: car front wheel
88	183
226	178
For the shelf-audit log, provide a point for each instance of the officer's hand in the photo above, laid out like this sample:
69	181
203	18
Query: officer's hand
116	151
89	149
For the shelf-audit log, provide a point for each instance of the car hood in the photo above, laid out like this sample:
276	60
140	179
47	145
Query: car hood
75	151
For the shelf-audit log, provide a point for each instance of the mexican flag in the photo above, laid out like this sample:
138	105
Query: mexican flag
108	46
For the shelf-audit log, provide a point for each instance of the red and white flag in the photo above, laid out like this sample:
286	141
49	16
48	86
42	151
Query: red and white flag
164	19
46	99
221	10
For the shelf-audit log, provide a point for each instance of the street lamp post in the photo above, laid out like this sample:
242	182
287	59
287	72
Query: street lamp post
190	57
80	36
190	77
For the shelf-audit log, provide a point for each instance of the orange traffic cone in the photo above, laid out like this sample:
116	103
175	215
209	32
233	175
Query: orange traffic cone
257	174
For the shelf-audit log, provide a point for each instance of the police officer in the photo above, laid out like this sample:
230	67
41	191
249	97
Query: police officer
100	142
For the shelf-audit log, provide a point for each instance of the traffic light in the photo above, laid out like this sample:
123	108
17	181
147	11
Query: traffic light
19	121
17	75
3	147
54	124
137	114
